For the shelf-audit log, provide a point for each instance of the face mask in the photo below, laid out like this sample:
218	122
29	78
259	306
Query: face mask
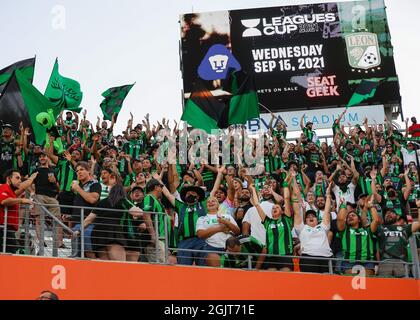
191	199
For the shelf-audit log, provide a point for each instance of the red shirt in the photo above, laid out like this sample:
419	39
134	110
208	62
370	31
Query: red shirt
12	211
414	127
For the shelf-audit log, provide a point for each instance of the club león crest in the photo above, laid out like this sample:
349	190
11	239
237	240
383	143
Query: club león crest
363	50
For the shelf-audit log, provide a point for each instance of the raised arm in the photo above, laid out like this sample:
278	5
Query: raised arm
165	190
326	218
375	217
342	215
256	202
302	126
407	190
218	181
173	178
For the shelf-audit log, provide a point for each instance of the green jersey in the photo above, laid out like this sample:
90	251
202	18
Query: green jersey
65	174
357	244
188	216
151	204
248	245
279	235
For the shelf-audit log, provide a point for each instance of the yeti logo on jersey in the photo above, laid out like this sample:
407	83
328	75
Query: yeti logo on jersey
363	50
217	62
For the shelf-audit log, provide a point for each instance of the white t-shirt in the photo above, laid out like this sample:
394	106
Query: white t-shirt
409	156
348	195
218	240
252	217
314	241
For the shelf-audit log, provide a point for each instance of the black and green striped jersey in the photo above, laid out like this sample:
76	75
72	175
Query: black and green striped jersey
273	163
279	134
104	191
279	235
310	134
65	174
357	244
365	183
151	204
188	216
248	245
369	157
134	148
393	241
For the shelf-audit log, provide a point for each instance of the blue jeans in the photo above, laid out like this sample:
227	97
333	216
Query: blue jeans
188	257
211	248
87	236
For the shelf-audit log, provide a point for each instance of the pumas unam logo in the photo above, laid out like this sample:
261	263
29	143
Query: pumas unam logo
363	50
283	25
216	63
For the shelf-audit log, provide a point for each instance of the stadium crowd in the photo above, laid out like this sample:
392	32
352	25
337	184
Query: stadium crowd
356	198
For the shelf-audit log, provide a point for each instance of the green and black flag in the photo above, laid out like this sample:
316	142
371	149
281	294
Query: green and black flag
243	105
203	110
365	90
27	67
114	98
63	93
21	101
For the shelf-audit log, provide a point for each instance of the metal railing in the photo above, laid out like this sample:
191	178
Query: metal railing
142	246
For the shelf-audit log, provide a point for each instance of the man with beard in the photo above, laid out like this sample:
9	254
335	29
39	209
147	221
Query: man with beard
308	130
9	198
192	206
66	174
244	204
343	188
365	181
152	204
7	149
46	191
393	237
393	198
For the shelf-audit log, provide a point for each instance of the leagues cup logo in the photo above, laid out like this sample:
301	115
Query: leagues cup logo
363	50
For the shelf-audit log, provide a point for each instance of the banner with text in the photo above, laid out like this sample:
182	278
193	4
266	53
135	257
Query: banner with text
322	119
303	56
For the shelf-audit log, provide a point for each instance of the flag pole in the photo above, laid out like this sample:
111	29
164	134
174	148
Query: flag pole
278	116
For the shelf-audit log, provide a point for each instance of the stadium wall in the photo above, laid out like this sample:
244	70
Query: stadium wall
24	278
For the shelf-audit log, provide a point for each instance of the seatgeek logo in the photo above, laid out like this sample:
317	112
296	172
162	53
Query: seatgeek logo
282	25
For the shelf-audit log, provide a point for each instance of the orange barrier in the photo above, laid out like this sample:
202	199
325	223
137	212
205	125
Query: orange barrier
23	277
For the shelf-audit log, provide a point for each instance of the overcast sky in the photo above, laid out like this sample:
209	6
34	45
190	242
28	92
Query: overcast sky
108	43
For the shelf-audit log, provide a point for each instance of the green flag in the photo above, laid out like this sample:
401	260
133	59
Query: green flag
365	90
203	110
114	98
243	105
26	67
64	93
21	102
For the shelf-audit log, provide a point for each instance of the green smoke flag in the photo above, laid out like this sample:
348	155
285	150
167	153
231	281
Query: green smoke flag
21	101
63	93
243	105
202	110
114	98
365	90
26	67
